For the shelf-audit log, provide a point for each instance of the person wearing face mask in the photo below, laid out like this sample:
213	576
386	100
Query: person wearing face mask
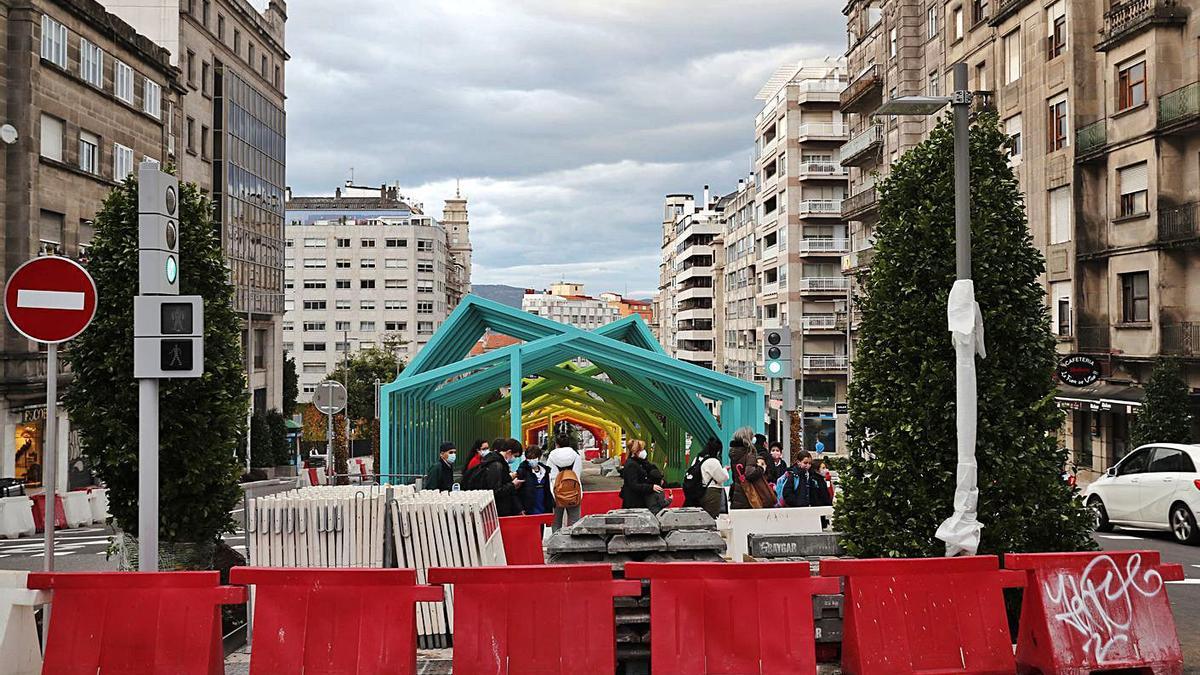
638	491
515	454
776	466
535	493
474	457
493	474
440	475
799	488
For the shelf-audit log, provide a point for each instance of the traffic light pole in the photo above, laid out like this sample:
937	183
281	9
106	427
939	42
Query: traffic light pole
147	475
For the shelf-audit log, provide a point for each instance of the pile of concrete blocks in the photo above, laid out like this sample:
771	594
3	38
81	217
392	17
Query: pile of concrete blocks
811	548
625	535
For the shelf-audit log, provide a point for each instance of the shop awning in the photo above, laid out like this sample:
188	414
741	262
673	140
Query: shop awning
1101	396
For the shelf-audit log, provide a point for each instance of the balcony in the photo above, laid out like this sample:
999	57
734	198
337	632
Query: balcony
1091	140
823	321
818	246
822	132
1125	19
694	293
810	170
820	207
860	204
1182	339
861	148
1095	339
824	285
1177	223
1005	9
819	91
1178	110
830	362
864	93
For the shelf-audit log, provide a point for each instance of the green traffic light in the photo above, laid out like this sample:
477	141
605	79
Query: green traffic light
172	269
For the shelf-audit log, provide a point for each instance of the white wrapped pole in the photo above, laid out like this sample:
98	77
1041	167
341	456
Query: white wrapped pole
961	530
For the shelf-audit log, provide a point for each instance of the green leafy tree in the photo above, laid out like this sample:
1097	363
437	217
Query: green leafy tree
902	437
366	366
201	419
1164	416
261	448
281	450
291	386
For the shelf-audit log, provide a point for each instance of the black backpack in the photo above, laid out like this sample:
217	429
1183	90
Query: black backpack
693	483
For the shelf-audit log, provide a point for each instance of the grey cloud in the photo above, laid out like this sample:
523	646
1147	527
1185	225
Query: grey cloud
567	120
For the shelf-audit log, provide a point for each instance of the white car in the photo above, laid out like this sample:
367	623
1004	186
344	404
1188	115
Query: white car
1155	487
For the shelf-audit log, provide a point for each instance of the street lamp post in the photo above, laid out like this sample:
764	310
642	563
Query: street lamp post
961	530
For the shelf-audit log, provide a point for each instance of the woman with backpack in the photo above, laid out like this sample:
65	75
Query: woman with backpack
749	489
799	486
566	469
704	481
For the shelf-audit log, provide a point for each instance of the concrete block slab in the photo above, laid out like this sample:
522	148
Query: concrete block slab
568	542
632	543
694	540
576	558
620	521
688	518
795	544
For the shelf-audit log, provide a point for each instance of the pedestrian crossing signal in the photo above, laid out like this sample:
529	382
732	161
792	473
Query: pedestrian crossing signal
175	355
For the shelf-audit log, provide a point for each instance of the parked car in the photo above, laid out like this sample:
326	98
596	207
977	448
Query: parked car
1155	487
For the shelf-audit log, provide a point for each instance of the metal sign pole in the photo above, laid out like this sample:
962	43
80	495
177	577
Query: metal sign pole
50	452
147	475
329	441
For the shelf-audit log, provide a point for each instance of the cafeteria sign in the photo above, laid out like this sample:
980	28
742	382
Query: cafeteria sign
1078	370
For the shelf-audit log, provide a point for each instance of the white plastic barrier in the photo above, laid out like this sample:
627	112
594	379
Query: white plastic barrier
76	508
20	653
98	501
16	517
790	520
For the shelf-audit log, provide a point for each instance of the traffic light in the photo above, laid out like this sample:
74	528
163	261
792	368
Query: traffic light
158	231
777	353
168	336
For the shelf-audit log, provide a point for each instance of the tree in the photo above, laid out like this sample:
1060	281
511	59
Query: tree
366	366
901	479
202	419
1164	417
291	386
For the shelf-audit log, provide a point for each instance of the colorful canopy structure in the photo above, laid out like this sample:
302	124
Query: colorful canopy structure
616	379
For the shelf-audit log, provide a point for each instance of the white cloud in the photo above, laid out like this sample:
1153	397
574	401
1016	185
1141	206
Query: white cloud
567	120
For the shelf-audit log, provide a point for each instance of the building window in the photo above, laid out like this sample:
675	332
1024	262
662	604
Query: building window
314	346
264	67
190	64
395	263
204	70
54	42
1056	32
425	268
152	99
89	152
123	82
314	304
342	304
204	142
1057	125
931	22
314	263
52	138
314	242
50	233
1012	56
1131	86
979	11
366	304
341	283
1060	308
366	263
396	243
343	242
367	243
395	283
1012	127
1134	185
424	308
934	83
395	326
122	161
366	283
1060	215
341	326
205	6
314	325
959	29
190	129
220	27
278	78
424	244
237	42
366	326
314	283
424	328
91	63
393	304
1135	297
342	263
893	39
250	54
981	81
425	286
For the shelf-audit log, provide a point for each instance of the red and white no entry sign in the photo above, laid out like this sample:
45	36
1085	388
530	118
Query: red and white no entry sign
50	299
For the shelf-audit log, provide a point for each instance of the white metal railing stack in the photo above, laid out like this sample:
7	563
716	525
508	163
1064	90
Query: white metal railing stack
444	529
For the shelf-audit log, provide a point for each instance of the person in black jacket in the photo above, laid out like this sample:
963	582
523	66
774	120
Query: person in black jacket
535	494
776	465
821	496
493	474
638	487
799	488
440	475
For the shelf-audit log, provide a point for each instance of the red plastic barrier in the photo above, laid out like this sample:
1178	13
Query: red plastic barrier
135	623
600	502
933	615
534	619
728	619
39	512
523	538
1093	611
326	621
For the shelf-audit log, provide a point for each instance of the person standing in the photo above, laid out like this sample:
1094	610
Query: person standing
823	490
776	466
535	494
440	475
749	489
798	487
712	479
493	474
640	490
474	456
566	470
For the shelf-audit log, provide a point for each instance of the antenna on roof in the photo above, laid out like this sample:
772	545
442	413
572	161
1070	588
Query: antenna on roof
457	188
352	175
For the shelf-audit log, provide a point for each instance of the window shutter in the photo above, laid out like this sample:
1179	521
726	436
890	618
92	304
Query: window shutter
1134	178
1060	215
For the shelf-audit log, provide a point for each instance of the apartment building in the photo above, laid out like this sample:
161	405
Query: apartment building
232	129
735	273
567	303
1102	100
686	288
626	306
802	236
364	268
88	98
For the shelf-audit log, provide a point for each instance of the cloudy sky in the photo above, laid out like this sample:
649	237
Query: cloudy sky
567	121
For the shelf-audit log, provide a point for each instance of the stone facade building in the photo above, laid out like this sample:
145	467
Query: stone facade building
365	268
89	98
566	303
1102	100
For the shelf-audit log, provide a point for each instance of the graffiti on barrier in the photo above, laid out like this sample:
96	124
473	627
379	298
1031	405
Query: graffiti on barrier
1099	603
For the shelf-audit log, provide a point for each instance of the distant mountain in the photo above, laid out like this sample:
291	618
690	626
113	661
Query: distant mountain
505	295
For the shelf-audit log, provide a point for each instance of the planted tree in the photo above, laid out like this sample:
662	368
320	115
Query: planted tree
1164	416
902	438
291	386
202	419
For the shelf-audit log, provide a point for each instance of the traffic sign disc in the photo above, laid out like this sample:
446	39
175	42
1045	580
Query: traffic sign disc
50	299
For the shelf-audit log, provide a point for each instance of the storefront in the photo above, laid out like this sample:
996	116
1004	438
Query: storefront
1098	419
23	455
